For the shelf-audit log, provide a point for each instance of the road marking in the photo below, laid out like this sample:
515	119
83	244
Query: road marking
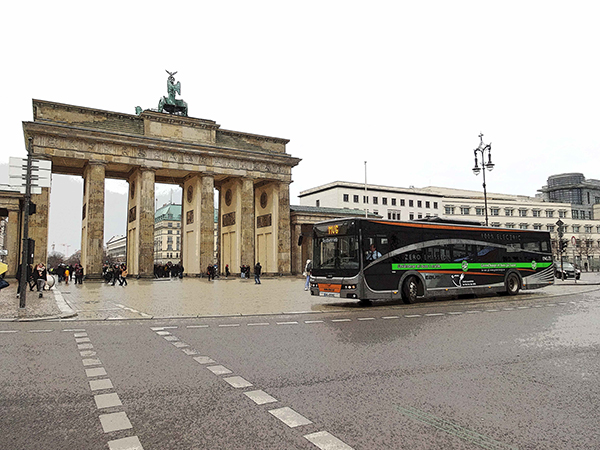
96	385
341	320
91	362
84	346
492	310
473	312
287	323
219	370
72	330
453	429
290	417
313	321
87	353
238	382
80	335
40	331
197	326
522	307
391	317
171	327
128	443
508	309
8	331
259	324
180	344
366	318
163	333
203	360
551	304
171	338
434	314
115	422
189	351
107	400
327	441
82	340
96	372
410	316
455	312
260	397
224	325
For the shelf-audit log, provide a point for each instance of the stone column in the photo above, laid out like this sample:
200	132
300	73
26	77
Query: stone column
247	223
92	220
298	264
146	224
207	221
12	243
283	232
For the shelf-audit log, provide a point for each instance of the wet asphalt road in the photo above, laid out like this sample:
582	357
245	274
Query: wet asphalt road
492	373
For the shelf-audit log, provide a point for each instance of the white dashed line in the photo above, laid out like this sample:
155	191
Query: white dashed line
492	310
8	331
82	340
197	326
313	321
115	422
455	313
40	331
203	360
434	314
87	353
260	397
189	351
73	330
107	400
225	325
287	323
171	338
219	370
260	324
96	372
410	316
91	362
84	346
290	417
341	320
128	443
163	333
80	335
327	441
180	344
366	318
391	317
97	385
238	382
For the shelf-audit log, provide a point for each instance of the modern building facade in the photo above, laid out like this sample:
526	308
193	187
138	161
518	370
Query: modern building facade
116	249
575	189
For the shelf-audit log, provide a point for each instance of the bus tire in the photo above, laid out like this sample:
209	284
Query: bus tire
410	290
512	283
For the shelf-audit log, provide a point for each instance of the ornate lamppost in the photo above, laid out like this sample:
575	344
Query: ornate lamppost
484	166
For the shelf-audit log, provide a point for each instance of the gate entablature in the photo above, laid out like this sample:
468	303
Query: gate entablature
161	147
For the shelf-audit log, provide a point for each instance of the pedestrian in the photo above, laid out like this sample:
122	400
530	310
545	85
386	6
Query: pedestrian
226	270
79	274
257	271
123	280
307	273
116	274
209	270
40	274
67	275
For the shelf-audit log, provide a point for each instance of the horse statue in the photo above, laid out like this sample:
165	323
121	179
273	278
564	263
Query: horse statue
170	104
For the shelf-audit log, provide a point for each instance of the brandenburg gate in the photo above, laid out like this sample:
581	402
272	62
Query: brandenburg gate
252	174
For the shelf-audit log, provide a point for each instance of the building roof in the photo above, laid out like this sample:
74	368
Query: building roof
330	211
168	212
370	187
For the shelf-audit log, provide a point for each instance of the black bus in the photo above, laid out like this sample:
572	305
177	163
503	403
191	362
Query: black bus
368	259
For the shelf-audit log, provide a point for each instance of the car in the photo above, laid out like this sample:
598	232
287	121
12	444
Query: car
569	270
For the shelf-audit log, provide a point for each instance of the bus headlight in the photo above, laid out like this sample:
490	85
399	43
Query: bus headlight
349	286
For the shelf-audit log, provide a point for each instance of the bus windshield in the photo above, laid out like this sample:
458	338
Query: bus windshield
336	252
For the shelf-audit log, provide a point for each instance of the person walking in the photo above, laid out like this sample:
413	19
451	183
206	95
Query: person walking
257	271
116	274
67	275
227	270
40	274
307	272
79	274
123	280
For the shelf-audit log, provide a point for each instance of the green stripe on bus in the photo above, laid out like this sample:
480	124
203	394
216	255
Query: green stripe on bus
464	266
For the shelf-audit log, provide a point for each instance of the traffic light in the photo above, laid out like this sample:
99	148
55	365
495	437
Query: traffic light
563	244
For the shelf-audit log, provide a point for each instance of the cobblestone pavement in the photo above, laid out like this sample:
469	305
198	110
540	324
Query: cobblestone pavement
193	297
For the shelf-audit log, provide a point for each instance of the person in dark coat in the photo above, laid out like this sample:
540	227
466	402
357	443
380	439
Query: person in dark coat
39	275
257	272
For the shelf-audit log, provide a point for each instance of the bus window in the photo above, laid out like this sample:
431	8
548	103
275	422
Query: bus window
532	246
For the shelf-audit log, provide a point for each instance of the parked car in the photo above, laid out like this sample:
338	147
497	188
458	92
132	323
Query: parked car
569	270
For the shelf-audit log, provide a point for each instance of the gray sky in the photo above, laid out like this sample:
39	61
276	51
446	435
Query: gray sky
406	85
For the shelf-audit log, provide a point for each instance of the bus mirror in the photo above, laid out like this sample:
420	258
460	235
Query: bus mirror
300	239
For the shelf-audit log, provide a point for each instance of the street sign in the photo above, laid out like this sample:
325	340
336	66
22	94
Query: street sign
41	174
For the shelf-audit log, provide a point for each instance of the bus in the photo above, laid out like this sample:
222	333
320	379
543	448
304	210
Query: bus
371	259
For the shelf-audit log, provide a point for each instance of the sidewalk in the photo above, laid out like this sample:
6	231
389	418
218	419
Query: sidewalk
50	306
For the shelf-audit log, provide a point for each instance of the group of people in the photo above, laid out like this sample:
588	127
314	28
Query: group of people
114	273
36	276
168	270
67	272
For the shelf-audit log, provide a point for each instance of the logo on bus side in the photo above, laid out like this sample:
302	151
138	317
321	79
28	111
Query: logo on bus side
465	266
333	229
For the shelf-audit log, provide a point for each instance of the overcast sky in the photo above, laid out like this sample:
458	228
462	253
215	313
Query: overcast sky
405	85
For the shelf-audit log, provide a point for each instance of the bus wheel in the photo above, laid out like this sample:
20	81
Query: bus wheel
513	284
410	289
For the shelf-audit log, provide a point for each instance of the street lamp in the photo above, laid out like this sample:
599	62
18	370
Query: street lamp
484	166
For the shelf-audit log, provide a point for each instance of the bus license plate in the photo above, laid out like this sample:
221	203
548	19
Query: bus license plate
329	294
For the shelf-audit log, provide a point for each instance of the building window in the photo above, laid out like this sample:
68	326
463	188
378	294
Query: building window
523	226
550	228
384	200
355	198
389	215
411	203
449	210
510	225
419	204
562	214
522	213
480	211
170	232
574	214
537	226
420	216
536	213
393	202
496	224
411	216
365	199
170	224
588	228
508	211
402	203
375	200
346	197
549	213
465	210
495	211
576	228
318	203
427	205
435	205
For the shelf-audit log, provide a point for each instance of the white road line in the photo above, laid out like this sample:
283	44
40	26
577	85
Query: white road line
172	327
91	362
522	307
157	328
128	443
551	304
84	346
8	331
115	422
189	351
163	333
366	318
327	441
391	317
180	344
313	321
473	312
508	309
224	325
287	323
87	353
492	310
341	320
455	312
61	303
237	382
107	400
260	324
73	330
82	340
170	338
409	316
96	385
40	331
260	397
79	335
434	314
197	326
203	360
290	417
95	372
219	370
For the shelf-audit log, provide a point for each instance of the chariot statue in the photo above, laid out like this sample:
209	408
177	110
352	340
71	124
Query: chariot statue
170	104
